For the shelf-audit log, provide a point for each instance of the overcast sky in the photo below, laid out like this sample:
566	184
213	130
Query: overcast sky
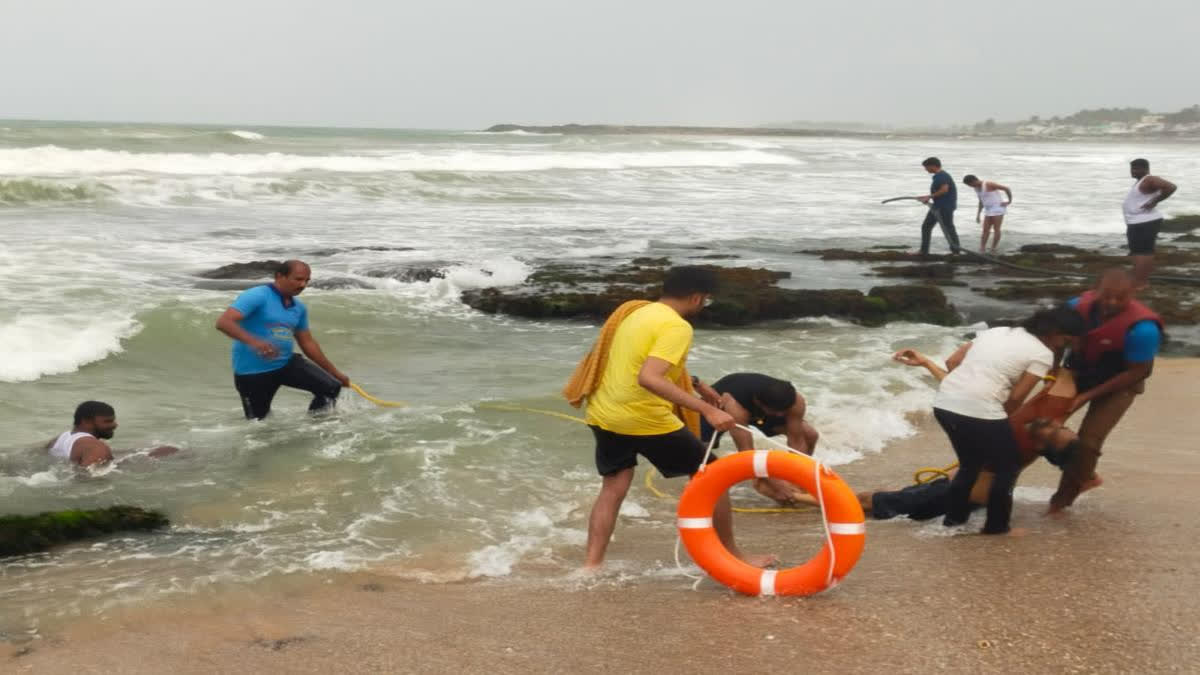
453	64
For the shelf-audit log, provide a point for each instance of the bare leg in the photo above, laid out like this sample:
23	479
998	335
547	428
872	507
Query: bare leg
997	221
723	524
604	515
987	229
1143	266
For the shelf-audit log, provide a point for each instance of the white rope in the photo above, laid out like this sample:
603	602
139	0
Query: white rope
818	470
712	443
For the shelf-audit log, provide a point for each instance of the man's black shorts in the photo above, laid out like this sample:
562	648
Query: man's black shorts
1142	236
675	454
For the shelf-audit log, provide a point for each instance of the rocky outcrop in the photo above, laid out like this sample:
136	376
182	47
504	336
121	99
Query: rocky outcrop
747	295
27	534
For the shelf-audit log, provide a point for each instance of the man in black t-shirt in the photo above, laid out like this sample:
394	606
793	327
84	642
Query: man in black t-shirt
944	195
774	408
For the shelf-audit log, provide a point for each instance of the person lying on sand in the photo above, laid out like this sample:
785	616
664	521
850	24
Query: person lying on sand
773	407
95	422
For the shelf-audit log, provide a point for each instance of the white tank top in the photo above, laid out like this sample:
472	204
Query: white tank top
989	198
1133	205
66	440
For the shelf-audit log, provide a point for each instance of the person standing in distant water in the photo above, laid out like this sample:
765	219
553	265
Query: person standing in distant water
944	196
1142	219
265	323
992	206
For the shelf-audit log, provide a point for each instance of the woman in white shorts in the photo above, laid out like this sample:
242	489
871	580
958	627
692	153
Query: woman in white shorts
992	206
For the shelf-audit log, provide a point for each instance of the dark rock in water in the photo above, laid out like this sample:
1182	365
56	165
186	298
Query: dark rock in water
408	273
747	295
1177	304
255	269
338	283
922	271
892	247
717	256
28	534
886	256
1051	248
1187	239
1185	223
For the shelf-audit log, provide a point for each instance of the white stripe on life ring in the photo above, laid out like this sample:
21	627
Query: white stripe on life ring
760	463
847	528
694	523
766	583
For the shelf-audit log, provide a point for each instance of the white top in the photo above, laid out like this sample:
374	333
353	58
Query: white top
1133	205
65	441
998	357
988	198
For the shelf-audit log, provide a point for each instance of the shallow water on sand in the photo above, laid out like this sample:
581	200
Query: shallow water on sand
105	227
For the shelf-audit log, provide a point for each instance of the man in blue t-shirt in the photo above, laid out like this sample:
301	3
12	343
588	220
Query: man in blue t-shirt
265	323
944	196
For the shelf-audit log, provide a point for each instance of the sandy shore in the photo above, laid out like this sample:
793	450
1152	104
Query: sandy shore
1111	588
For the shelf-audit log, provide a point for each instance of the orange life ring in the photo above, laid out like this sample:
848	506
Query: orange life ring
844	520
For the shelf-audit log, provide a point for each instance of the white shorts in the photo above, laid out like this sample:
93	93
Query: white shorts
994	210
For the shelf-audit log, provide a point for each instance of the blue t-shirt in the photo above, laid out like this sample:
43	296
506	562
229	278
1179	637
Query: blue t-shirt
265	317
948	200
1141	342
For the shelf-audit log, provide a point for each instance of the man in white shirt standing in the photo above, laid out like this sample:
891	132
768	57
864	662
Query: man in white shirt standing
1142	219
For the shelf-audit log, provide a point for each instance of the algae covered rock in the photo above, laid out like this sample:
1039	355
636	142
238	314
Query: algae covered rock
747	295
28	534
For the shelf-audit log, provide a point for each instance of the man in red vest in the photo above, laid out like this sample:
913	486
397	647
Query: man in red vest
1111	365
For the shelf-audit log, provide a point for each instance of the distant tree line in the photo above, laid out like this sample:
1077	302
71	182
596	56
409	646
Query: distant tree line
1097	116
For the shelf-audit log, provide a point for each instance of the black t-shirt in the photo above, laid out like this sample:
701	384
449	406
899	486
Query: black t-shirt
743	387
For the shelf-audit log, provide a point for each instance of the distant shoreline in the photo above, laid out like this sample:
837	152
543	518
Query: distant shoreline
683	130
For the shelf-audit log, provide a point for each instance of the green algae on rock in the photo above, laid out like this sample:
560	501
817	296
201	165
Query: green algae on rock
29	534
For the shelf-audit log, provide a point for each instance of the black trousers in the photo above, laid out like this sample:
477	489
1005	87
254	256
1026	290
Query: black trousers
947	222
978	442
258	390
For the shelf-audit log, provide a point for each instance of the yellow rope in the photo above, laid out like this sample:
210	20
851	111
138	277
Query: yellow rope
931	473
377	401
517	408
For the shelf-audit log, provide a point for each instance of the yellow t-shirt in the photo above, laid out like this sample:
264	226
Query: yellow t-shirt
620	404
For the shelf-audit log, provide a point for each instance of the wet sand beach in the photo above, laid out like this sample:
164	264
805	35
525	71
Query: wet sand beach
1110	588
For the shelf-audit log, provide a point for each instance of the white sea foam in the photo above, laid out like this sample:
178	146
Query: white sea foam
247	135
36	345
55	161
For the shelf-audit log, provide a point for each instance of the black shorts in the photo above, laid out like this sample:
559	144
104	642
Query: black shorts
258	390
675	454
1142	236
918	502
771	425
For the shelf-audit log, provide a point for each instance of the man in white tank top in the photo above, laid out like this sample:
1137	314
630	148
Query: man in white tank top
991	205
1142	218
82	445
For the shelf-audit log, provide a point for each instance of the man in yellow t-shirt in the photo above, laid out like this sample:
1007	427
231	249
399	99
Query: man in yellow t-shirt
631	411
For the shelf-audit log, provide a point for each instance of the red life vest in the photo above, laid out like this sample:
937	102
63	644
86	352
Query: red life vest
1109	336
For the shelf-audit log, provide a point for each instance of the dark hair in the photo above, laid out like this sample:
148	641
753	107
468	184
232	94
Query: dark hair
777	395
285	268
93	409
1059	320
932	161
970	178
1140	163
680	282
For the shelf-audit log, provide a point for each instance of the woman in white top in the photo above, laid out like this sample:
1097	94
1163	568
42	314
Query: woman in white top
989	378
991	205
